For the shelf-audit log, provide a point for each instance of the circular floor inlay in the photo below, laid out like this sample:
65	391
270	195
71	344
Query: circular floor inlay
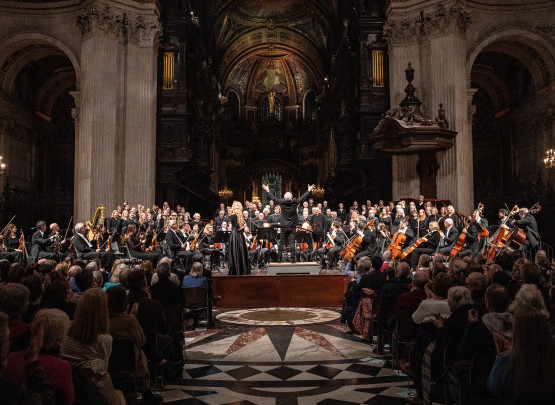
278	316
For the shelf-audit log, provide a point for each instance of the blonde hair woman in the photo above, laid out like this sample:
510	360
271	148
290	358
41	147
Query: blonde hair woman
238	258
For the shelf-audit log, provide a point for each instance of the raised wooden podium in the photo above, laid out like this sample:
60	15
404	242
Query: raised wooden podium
282	290
293	268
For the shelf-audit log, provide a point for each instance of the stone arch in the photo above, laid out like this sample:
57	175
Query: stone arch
508	73
543	49
11	45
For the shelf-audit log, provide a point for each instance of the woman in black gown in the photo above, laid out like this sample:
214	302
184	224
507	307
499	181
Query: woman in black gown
238	258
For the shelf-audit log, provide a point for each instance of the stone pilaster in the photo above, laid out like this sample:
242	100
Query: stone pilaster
140	111
431	35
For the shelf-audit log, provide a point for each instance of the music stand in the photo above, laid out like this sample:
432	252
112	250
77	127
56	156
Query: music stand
222	237
303	237
269	234
318	237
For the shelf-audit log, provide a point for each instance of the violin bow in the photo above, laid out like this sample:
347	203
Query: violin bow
11	220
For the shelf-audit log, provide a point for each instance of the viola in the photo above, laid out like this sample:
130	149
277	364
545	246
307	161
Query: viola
418	242
396	246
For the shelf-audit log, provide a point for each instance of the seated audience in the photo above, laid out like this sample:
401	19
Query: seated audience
88	344
54	324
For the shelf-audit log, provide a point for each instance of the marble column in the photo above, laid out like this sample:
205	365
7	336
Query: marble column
115	143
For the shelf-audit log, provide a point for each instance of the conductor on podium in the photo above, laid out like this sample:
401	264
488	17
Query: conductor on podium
288	220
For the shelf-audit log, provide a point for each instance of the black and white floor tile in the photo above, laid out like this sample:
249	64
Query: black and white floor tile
282	365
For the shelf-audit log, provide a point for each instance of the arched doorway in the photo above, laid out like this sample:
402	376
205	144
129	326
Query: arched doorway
510	79
38	82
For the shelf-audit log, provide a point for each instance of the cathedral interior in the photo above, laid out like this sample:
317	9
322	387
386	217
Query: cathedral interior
154	101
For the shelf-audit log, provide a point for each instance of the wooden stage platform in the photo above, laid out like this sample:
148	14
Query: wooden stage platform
286	290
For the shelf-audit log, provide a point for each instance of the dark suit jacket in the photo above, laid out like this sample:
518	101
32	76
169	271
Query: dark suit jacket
173	241
450	239
80	245
288	209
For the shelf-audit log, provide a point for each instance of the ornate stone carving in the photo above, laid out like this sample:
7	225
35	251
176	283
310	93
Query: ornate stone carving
144	32
120	26
442	19
102	21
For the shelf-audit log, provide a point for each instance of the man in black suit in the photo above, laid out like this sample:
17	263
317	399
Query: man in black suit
85	249
448	237
288	220
317	220
339	240
177	243
40	241
528	223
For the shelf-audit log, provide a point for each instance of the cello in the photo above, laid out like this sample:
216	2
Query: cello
396	246
418	242
499	238
348	252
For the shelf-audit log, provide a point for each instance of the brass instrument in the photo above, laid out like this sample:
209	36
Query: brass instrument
97	218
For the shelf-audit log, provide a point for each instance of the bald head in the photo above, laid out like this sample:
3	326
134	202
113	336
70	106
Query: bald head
288	196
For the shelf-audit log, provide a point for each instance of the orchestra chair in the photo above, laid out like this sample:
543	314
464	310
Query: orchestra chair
116	251
130	259
196	303
123	368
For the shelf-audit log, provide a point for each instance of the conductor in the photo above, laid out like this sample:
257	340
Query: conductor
288	219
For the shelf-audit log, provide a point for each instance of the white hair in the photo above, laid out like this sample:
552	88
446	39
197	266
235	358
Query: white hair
288	196
79	226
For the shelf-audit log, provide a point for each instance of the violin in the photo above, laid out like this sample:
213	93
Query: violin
155	244
396	246
21	241
253	244
217	245
483	232
303	246
418	242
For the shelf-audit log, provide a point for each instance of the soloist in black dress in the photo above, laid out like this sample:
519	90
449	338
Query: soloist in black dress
237	257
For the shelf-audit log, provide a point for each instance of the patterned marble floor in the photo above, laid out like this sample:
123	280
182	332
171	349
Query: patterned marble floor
282	365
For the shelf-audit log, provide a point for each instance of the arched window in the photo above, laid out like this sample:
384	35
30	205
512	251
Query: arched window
309	105
265	108
233	106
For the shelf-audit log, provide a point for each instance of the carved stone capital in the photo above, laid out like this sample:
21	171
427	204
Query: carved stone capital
145	32
123	27
401	31
95	21
441	19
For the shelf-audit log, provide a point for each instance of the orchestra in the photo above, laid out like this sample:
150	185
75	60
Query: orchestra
310	233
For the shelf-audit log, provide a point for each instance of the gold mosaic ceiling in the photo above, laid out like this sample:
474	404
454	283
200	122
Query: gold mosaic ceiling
286	39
